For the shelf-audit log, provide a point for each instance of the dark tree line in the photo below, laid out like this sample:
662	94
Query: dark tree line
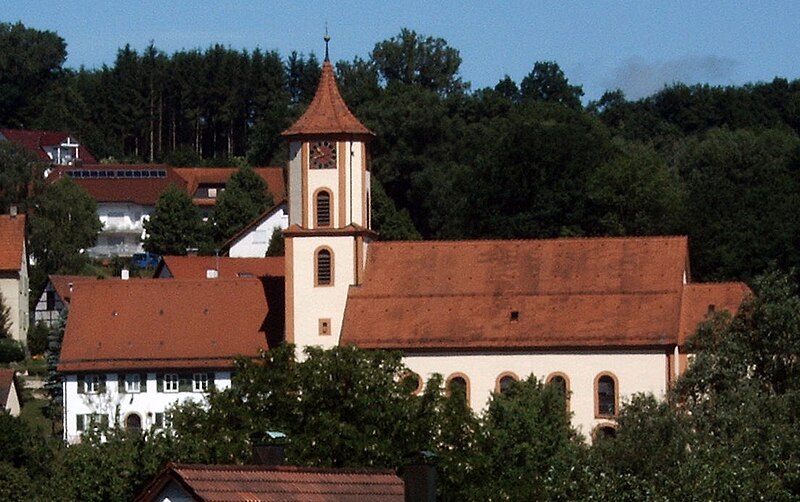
518	160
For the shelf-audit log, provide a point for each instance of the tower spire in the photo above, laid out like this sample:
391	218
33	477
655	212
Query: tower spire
327	39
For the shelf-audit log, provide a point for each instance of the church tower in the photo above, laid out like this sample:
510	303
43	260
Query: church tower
329	214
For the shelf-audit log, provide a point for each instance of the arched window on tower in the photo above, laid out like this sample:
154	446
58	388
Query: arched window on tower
323	275
322	211
606	395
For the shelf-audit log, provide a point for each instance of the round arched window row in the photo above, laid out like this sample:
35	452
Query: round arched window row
324	268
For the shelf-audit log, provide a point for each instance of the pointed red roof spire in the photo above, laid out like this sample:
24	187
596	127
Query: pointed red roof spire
327	113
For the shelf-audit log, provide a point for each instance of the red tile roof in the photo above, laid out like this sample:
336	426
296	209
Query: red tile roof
61	284
156	323
535	294
279	484
698	300
35	141
144	191
195	267
12	242
196	176
327	113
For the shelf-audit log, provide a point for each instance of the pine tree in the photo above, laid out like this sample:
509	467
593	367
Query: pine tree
175	225
245	197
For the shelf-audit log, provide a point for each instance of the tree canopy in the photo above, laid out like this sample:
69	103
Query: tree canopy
175	225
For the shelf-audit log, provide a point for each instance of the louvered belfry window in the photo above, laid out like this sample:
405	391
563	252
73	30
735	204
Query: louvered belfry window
323	209
324	267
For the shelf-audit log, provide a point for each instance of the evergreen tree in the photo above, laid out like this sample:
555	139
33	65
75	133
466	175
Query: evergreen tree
175	225
276	243
244	198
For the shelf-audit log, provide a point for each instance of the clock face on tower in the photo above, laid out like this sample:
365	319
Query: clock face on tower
323	155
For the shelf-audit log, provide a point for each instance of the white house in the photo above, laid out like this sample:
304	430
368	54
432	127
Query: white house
14	273
132	349
254	239
56	148
10	392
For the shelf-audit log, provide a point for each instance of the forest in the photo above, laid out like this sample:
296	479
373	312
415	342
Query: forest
520	160
528	159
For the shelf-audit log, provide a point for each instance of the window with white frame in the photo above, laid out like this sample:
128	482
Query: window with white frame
92	384
171	382
200	382
133	383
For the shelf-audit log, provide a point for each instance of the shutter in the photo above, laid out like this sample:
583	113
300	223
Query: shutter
159	382
159	420
79	419
143	382
81	384
211	380
102	384
185	382
104	421
121	383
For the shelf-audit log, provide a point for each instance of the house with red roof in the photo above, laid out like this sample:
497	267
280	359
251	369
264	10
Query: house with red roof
56	148
132	349
14	273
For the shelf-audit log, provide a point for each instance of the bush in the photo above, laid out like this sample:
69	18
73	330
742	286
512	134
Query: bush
11	351
37	338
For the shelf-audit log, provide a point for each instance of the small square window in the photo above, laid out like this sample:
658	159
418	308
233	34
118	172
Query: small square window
200	382
324	327
171	382
133	383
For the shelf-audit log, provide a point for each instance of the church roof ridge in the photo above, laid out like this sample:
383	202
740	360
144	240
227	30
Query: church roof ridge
328	113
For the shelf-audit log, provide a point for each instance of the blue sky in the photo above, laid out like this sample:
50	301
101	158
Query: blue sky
637	46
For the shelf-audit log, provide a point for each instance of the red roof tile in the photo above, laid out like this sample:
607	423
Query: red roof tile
12	242
278	483
144	191
196	176
561	293
700	299
327	113
65	284
152	323
195	267
35	141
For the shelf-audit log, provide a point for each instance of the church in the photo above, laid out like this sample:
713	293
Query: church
604	318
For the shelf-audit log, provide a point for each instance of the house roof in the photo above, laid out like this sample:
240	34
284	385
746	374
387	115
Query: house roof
327	113
277	483
226	246
197	176
195	267
525	294
7	384
144	190
156	323
35	141
699	300
65	285
12	242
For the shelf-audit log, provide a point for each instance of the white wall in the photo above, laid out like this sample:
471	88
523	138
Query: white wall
638	371
256	242
13	405
111	402
123	228
14	288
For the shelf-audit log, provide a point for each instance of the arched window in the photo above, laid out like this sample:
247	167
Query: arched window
604	431
324	268
458	383
606	395
504	381
561	383
133	422
323	208
412	382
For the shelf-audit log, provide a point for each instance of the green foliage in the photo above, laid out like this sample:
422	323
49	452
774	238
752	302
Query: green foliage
391	224
11	351
245	198
52	385
38	335
20	169
63	224
175	225
547	83
276	243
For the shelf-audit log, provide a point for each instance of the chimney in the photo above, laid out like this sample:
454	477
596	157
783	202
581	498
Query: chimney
419	477
125	274
12	211
269	449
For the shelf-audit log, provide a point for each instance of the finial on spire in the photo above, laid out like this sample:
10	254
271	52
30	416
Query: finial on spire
327	39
